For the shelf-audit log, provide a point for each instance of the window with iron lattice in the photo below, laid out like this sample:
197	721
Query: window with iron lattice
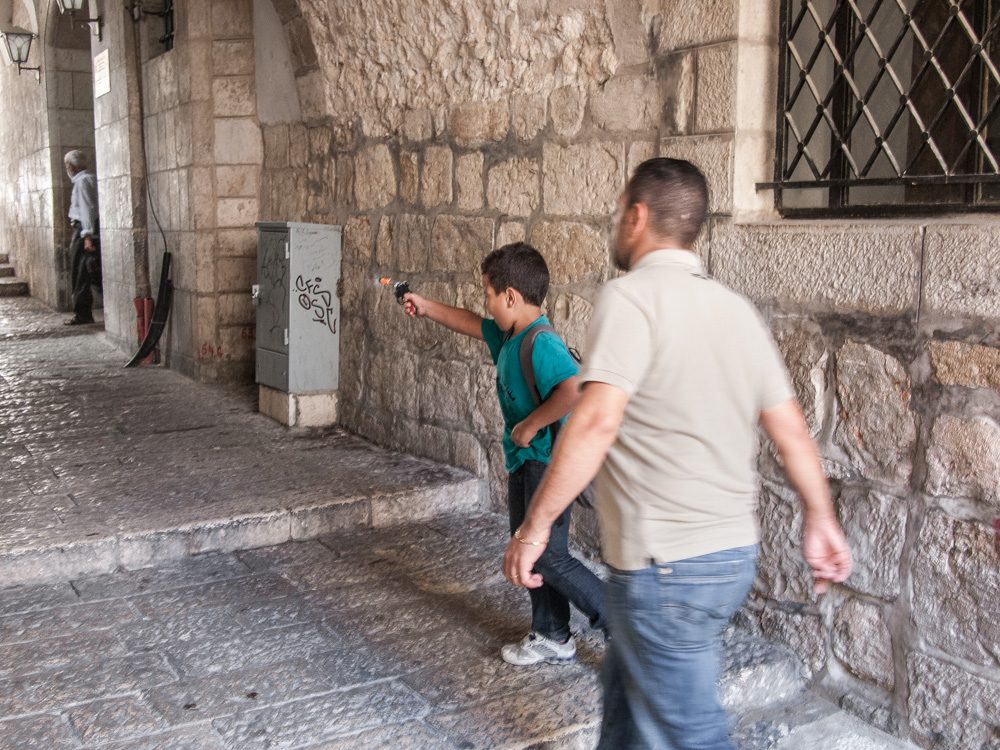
888	106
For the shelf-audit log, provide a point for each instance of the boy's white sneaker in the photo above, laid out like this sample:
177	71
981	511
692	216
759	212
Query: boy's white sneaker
535	649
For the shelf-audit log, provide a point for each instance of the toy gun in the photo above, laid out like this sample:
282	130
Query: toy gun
399	288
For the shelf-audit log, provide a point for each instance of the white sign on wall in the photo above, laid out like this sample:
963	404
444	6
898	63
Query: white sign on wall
102	74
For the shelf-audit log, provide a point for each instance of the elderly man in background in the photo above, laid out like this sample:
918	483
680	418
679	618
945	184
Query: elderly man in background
85	247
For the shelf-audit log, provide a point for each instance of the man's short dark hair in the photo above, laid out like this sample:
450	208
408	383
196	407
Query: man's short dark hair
518	266
677	196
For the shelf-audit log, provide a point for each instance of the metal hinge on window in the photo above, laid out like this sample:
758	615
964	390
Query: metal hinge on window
286	337
288	253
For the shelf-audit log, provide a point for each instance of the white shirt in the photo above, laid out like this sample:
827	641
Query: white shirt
83	203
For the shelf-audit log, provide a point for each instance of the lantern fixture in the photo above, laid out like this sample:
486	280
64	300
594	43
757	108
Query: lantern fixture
74	6
18	46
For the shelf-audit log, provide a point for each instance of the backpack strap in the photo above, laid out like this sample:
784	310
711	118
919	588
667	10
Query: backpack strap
525	354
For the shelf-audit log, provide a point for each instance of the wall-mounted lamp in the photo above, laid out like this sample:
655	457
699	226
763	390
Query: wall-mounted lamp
18	44
73	6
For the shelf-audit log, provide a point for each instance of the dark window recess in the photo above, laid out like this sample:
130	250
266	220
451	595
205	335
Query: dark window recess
888	106
167	40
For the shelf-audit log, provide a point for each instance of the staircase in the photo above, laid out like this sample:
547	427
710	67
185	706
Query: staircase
10	285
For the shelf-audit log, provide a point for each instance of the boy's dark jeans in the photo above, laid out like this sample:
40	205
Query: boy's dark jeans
567	580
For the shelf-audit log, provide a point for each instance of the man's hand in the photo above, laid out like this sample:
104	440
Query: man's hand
825	548
523	433
88	244
520	559
414	305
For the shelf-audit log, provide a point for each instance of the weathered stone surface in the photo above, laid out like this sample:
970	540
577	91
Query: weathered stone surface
963	459
875	525
444	389
233	97
527	114
677	89
571	315
639	152
805	352
968	365
583	179
510	231
628	102
436	181
413	241
949	708
38	733
802	633
877	429
855	270
566	107
459	244
862	642
574	252
513	187
713	155
385	256
629	29
409	176
683	25
476	123
960	274
410	735
782	573
358	240
238	141
839	733
956	585
374	177
716	108
418	125
114	719
469	181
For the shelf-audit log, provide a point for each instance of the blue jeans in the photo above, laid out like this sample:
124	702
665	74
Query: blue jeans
663	662
567	580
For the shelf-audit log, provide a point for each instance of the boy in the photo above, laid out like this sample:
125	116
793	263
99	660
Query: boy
515	281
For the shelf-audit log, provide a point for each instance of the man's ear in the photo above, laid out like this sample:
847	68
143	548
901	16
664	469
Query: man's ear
637	218
511	296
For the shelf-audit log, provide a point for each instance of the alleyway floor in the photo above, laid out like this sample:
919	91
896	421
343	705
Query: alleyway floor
330	608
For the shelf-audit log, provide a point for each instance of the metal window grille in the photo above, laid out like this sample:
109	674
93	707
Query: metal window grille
888	104
167	40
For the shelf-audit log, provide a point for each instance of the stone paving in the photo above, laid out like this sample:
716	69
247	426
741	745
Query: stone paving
102	467
380	628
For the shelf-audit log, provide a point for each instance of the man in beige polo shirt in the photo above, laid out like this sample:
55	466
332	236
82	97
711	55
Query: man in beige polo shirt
679	372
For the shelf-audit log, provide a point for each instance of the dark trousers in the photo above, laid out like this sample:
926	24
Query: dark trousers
567	580
84	274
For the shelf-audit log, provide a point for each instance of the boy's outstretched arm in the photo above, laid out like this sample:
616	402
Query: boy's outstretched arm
457	319
559	403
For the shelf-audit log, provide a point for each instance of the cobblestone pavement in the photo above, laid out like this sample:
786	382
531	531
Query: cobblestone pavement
103	467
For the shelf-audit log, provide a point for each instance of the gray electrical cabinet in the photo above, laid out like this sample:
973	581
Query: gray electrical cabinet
298	321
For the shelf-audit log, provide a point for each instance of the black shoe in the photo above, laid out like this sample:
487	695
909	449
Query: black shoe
76	320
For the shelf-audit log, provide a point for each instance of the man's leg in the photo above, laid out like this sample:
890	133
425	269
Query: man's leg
618	730
675	614
83	299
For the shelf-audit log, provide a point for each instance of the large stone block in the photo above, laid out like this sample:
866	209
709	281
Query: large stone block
477	123
583	179
571	316
877	429
627	103
716	103
875	525
851	270
782	572
238	141
459	244
862	642
444	391
358	240
950	708
629	31
487	419
276	146
374	177
802	633
574	252
409	176
963	459
527	114
234	96
241	181
385	257
233	58
968	365
469	181
413	242
417	125
566	107
683	24
962	272
713	155
805	352
956	587
435	184
513	187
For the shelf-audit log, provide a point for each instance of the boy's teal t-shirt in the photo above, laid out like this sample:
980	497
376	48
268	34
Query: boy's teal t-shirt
552	363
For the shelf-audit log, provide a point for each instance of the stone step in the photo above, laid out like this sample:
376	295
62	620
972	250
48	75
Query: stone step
757	673
13	287
445	492
6	271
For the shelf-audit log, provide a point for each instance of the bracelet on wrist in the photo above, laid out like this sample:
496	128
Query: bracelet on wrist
522	540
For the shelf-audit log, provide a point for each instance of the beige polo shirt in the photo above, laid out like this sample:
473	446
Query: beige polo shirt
699	366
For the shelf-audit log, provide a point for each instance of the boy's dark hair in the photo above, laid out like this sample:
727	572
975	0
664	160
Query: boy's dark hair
518	266
677	196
